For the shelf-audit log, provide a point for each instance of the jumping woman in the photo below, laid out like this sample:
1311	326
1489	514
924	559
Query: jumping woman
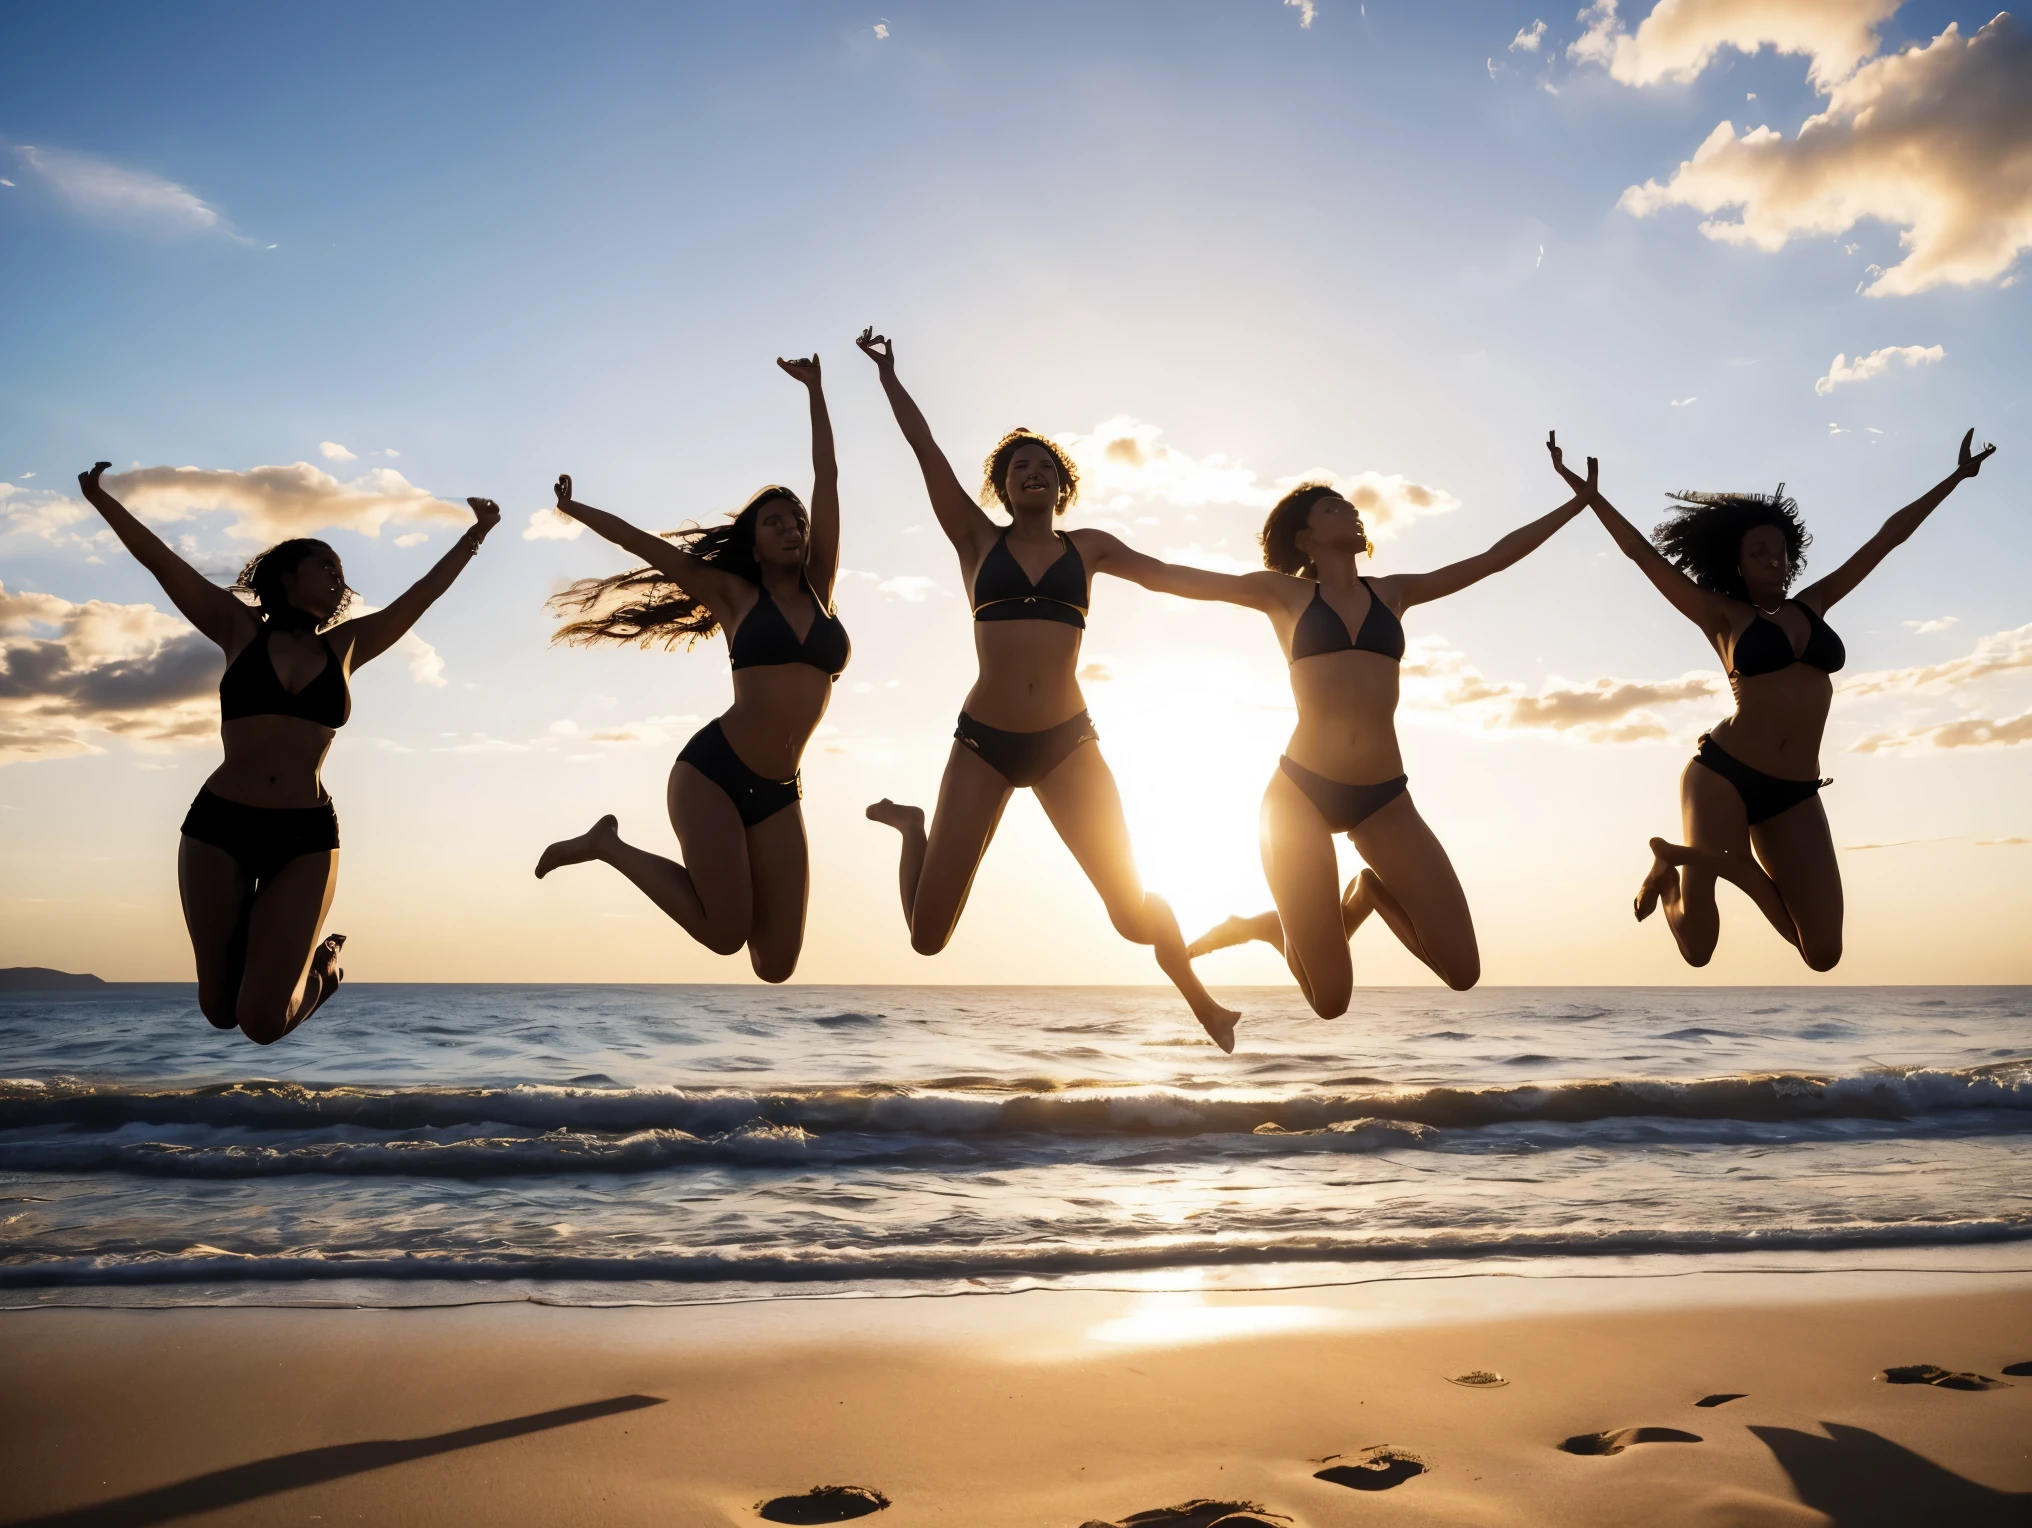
1749	801
766	579
259	860
1342	772
1024	723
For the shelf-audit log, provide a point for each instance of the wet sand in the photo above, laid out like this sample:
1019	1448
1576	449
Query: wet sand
1324	1406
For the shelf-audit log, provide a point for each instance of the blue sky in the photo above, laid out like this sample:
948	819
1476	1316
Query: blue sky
505	243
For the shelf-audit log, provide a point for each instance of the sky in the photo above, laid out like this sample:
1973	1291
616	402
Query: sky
356	263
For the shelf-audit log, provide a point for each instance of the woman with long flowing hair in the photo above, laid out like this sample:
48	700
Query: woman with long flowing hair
1024	724
259	861
1749	801
765	578
1343	639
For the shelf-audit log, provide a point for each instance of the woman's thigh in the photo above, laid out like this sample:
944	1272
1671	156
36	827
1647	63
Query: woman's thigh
714	844
971	799
779	864
1415	869
1711	812
213	889
282	933
1305	882
1085	807
1797	850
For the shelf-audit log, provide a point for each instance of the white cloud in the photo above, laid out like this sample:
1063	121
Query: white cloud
1307	10
270	503
2003	652
332	451
1930	140
1680	38
412	538
137	200
426	665
1438	681
69	670
548	524
1528	39
881	30
1680	403
1927	628
48	517
1965	732
1874	364
907	586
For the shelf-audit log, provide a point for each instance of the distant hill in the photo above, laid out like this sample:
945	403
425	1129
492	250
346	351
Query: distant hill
42	979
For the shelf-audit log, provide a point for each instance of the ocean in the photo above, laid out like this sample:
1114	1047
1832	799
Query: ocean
594	1144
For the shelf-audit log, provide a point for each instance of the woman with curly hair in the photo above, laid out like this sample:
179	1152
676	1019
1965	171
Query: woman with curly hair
1749	801
766	579
1024	724
1342	772
259	861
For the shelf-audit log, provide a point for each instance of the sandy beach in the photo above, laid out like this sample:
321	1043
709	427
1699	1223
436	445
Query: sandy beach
1049	1407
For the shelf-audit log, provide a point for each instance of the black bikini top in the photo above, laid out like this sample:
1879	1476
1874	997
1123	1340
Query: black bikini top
1004	592
765	638
1321	630
250	687
1763	648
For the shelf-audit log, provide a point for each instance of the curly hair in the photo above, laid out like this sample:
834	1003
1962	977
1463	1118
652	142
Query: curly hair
262	579
995	470
647	606
1704	536
1279	536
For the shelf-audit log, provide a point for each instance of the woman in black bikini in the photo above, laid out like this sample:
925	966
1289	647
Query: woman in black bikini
766	579
1342	771
259	860
1024	723
1750	799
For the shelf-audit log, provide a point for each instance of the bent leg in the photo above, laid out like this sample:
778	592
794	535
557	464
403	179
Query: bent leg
971	799
1305	883
779	865
214	890
1798	849
1080	798
277	989
1415	891
1717	831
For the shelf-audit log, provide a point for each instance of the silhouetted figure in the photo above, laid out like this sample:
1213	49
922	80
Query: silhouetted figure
1024	724
1342	772
765	578
1750	800
259	861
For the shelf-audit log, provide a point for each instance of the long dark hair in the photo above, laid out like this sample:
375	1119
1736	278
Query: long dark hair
1704	536
262	578
650	608
995	470
1279	536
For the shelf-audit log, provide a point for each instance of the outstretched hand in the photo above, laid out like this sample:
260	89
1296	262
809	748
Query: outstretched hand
1969	466
885	357
563	490
804	368
89	481
486	514
1574	479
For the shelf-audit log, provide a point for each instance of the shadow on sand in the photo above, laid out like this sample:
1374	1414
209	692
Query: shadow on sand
314	1466
1862	1479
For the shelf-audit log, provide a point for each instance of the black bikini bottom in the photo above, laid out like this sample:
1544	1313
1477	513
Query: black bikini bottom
1345	807
1024	758
755	797
262	838
1764	796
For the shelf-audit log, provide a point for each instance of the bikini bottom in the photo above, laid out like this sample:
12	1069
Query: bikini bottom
756	797
1345	807
1764	796
262	838
1024	758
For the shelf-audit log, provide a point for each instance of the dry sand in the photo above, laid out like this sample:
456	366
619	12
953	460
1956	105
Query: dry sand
1044	1410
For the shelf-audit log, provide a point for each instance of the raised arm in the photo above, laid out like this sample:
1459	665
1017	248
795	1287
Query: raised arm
1107	553
822	560
373	634
1706	610
959	516
1407	589
214	611
1863	562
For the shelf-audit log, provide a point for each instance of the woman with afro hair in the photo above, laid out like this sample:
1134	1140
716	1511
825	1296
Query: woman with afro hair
1749	800
1024	724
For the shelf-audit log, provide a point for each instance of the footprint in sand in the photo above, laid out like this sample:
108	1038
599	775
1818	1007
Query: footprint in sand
823	1504
1615	1442
1200	1512
1720	1398
1378	1469
1944	1379
1477	1379
2023	1368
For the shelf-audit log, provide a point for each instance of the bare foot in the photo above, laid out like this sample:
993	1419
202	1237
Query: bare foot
1218	1022
589	845
324	966
904	819
1267	927
1661	882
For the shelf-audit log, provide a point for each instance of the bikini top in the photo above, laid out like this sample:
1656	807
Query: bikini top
1004	592
1320	629
765	639
1763	648
250	687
